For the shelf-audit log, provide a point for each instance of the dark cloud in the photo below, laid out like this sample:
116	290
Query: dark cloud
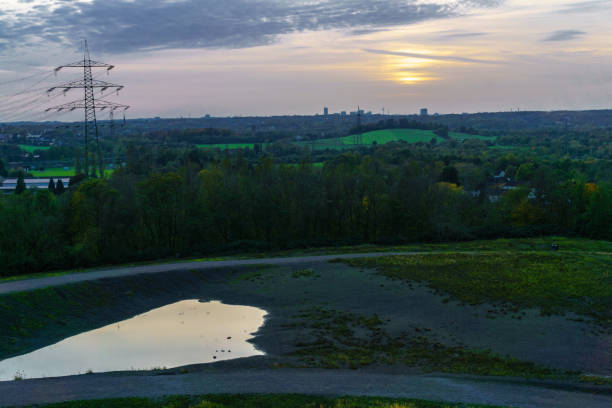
430	56
457	34
564	35
137	25
364	31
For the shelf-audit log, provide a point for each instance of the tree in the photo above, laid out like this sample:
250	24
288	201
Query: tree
450	175
3	172
442	132
100	163
51	187
59	188
21	187
77	163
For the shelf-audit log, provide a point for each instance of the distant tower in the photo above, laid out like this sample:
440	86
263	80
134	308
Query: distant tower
357	139
424	112
325	111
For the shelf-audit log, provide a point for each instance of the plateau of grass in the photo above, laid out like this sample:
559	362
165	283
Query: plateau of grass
554	282
260	401
386	136
392	135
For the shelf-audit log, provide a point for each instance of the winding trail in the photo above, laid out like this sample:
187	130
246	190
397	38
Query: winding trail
39	283
304	381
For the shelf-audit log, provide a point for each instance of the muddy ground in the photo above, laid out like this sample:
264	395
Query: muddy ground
558	342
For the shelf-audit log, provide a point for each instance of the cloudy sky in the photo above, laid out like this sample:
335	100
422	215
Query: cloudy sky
262	57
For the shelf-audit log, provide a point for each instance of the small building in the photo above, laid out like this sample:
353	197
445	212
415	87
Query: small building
325	111
9	185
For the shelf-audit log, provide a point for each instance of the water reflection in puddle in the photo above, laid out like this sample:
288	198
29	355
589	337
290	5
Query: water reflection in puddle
182	333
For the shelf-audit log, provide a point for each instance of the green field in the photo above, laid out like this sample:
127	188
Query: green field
61	172
31	149
224	146
379	136
53	172
387	136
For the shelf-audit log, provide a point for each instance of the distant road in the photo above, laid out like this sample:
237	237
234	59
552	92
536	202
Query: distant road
304	381
39	283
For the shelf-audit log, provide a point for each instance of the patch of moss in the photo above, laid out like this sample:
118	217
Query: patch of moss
304	273
556	283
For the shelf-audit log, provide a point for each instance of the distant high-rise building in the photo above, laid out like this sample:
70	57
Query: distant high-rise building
424	112
343	113
325	111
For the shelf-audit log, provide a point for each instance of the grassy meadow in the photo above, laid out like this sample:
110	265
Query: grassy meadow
386	136
61	172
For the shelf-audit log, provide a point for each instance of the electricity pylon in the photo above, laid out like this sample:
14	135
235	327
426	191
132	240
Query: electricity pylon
89	103
358	138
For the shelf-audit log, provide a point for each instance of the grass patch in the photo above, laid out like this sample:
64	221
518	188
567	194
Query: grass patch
556	283
32	149
53	172
255	274
61	172
260	401
393	135
304	273
228	146
347	340
596	380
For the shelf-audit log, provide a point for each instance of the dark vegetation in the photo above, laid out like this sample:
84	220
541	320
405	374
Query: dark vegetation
168	198
259	401
201	203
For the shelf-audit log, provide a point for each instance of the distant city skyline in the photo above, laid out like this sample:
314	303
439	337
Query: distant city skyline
281	57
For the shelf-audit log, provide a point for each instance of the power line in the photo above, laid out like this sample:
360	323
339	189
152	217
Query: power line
89	103
12	81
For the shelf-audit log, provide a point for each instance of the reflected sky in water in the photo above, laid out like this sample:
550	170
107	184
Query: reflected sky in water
182	333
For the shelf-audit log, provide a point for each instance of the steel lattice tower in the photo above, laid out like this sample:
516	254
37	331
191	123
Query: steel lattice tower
89	103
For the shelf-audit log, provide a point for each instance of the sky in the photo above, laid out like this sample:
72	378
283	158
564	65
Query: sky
268	57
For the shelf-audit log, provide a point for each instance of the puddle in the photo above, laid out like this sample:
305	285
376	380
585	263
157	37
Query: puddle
182	333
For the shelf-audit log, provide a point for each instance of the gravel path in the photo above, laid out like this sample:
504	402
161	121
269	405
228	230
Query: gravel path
39	283
303	381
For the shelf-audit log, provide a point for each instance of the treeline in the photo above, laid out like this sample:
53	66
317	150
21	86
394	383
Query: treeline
230	205
214	136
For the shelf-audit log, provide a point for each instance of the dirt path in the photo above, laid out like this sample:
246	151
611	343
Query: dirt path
39	283
303	381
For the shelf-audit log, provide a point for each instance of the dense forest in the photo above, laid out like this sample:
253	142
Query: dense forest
190	202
